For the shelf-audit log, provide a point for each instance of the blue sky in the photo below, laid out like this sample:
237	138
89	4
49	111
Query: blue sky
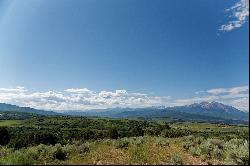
160	48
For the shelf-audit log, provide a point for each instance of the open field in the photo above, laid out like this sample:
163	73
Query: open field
195	126
9	123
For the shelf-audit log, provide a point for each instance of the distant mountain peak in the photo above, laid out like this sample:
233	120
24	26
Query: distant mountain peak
213	105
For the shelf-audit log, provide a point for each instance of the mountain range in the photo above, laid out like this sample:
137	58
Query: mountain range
13	108
204	111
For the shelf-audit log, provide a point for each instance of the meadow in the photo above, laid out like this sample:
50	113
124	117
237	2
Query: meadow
81	140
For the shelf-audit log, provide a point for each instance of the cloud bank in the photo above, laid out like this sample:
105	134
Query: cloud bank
85	99
240	13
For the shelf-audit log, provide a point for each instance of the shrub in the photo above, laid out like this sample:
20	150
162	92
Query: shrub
198	140
206	148
195	151
189	138
174	133
136	131
176	160
78	148
26	139
122	143
19	142
44	151
238	152
4	151
59	153
4	136
218	143
235	141
217	153
138	141
187	144
19	157
162	142
45	138
83	148
113	133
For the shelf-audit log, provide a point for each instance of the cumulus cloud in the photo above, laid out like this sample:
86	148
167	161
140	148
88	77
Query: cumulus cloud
78	99
85	99
240	13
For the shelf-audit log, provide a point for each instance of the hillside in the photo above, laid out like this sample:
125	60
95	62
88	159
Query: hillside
13	108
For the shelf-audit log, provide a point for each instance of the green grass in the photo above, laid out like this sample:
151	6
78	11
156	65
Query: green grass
209	127
9	123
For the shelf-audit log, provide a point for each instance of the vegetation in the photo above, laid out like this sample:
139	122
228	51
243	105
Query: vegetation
80	140
4	136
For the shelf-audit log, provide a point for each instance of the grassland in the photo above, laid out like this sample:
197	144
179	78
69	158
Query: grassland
9	123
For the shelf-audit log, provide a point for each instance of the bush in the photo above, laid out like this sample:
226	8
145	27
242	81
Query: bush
59	153
19	142
4	151
239	151
24	140
235	150
45	138
138	141
195	151
136	131
43	151
122	143
186	145
113	133
206	148
77	147
4	136
162	142
198	140
217	153
19	157
176	160
218	143
83	148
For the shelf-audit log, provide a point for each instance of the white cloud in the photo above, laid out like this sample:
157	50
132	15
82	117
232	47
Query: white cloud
241	103
84	90
78	99
240	12
235	96
232	91
18	89
216	91
238	90
83	99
